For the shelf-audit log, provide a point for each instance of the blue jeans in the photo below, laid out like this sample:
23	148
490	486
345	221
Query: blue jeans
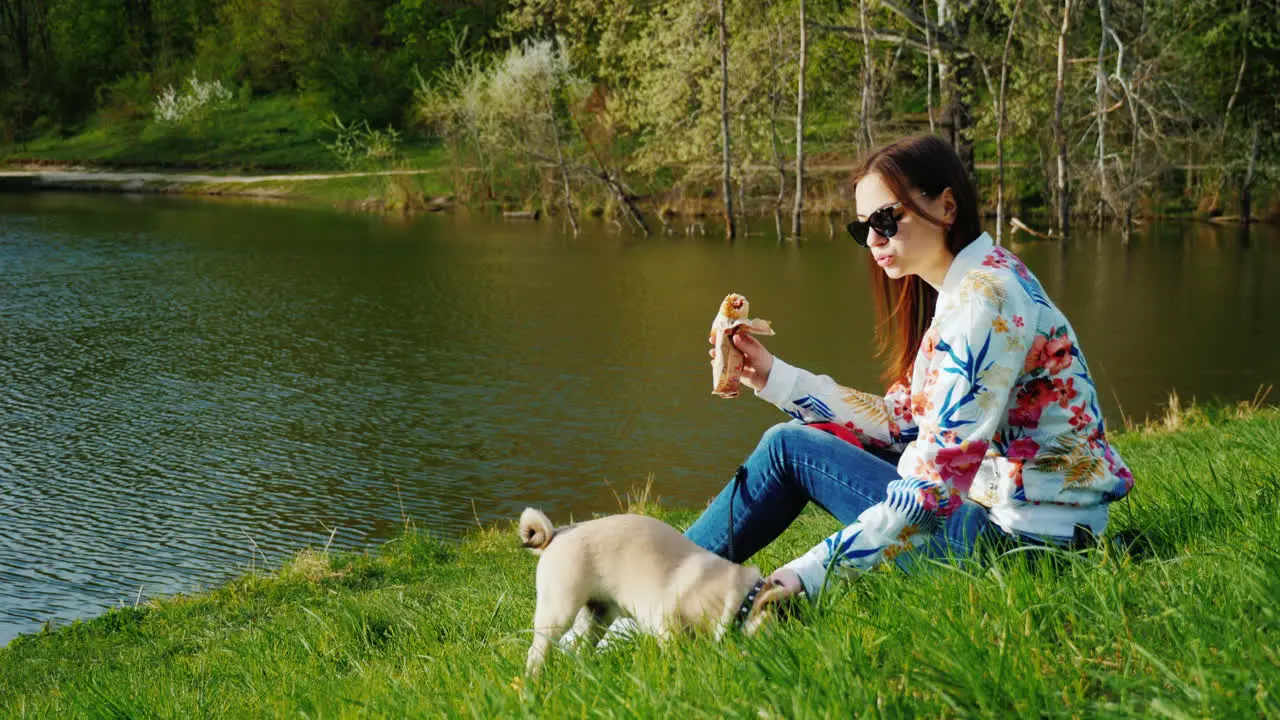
794	465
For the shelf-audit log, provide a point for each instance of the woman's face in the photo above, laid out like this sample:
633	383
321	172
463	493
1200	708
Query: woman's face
919	246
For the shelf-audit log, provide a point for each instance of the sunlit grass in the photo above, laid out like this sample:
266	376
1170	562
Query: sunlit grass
268	134
1187	626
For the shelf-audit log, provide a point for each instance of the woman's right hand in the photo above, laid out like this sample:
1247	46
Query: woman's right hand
757	360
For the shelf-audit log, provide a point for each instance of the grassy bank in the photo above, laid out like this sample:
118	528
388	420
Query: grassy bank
273	134
263	137
423	627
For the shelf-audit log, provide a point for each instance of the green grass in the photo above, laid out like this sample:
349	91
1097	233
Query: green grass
424	628
264	136
393	191
268	134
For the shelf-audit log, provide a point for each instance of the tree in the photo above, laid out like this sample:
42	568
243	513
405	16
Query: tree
24	27
868	81
1101	108
928	63
804	56
513	111
727	152
949	40
1000	113
1062	194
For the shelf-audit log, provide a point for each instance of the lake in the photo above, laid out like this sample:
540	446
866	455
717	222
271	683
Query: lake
191	388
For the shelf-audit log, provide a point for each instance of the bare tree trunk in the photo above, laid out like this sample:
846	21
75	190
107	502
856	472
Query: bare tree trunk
1235	92
775	99
602	174
775	103
944	92
1135	169
1126	232
955	78
1246	188
798	206
1132	183
1101	90
961	117
928	41
624	197
944	75
726	182
1062	193
1226	115
461	189
564	170
1004	82
867	80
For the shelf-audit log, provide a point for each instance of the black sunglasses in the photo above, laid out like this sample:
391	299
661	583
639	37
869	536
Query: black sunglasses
884	221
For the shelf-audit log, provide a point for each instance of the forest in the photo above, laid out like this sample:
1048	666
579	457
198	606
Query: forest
1098	110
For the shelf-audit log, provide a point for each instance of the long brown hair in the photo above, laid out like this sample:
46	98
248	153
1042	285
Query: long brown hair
926	164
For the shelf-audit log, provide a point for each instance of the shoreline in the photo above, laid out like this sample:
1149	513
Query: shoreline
277	186
359	191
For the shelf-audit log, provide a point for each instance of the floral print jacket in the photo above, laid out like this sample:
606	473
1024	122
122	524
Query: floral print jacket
1001	410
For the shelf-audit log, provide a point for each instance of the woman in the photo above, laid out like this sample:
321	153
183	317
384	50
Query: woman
990	424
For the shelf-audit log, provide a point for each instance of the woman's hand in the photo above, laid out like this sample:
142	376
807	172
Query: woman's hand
757	361
787	580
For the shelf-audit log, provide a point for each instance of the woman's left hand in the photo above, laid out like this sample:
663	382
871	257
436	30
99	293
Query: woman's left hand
788	580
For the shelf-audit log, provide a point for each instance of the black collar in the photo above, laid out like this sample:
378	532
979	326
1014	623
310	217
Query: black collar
745	608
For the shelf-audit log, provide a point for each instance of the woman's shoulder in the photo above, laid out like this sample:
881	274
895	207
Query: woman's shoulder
1000	279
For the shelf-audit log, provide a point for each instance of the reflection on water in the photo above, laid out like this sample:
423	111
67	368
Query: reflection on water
190	385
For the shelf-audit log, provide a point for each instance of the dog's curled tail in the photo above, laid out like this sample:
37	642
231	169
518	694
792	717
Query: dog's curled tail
536	530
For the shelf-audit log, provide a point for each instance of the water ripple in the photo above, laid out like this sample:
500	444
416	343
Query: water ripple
187	388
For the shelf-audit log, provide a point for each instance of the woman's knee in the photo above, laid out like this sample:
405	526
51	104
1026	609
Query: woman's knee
775	451
783	435
786	445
